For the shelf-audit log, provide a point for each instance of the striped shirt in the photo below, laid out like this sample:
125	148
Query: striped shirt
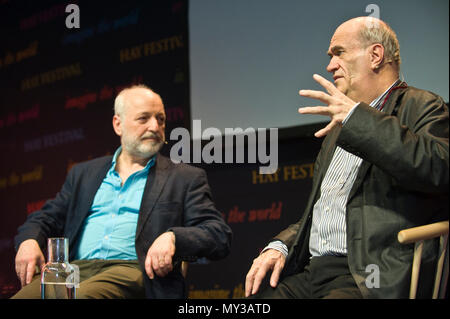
329	230
328	235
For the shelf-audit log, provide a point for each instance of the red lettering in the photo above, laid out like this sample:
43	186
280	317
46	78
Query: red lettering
272	213
34	206
29	114
235	216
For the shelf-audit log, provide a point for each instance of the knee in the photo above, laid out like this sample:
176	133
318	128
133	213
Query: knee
30	291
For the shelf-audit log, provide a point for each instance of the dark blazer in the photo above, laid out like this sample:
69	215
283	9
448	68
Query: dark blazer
402	182
176	197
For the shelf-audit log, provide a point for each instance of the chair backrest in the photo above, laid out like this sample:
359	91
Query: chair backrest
418	235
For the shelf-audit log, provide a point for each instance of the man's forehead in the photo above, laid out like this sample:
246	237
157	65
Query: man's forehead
140	92
139	100
143	95
336	43
344	37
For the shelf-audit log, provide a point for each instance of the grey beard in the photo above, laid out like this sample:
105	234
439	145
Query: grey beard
141	151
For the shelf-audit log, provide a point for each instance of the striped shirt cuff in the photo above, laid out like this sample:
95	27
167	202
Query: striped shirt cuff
277	245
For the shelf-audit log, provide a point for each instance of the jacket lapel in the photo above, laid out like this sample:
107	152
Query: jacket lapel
329	145
391	99
88	190
92	185
389	108
156	180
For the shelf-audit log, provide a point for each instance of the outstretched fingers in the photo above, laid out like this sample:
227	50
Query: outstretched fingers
327	85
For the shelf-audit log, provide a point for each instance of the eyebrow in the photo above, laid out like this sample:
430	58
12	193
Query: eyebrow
150	113
142	113
334	49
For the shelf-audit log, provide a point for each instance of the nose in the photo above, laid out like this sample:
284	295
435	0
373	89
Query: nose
333	65
153	124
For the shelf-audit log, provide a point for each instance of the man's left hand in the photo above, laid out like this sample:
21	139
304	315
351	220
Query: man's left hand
159	255
338	104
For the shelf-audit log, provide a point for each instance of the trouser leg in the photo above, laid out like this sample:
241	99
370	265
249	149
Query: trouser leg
113	280
32	290
326	277
291	287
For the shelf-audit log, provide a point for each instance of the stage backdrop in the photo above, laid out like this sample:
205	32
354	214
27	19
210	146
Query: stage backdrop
57	91
257	207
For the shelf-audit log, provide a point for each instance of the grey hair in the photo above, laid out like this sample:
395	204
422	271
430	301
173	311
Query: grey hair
119	102
378	31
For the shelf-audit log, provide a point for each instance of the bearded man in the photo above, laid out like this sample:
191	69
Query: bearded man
130	218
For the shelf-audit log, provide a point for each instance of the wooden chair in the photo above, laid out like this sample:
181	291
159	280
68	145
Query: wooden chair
418	235
184	268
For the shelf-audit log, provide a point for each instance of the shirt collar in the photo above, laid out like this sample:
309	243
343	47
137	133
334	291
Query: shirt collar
375	103
150	162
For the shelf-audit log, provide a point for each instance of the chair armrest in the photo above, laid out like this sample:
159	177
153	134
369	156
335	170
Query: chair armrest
415	234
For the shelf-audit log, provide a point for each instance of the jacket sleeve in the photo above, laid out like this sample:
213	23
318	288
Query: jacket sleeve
411	146
204	232
49	220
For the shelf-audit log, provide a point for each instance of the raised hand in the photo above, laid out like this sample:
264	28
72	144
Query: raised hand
338	104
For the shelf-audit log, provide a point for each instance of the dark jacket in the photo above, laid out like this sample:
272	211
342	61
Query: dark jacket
176	197
402	183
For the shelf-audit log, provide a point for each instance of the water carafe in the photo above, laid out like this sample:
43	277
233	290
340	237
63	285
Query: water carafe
59	279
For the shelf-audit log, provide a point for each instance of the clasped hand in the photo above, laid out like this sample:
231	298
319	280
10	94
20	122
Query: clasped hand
339	105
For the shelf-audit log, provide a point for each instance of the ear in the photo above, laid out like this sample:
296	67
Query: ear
376	52
117	124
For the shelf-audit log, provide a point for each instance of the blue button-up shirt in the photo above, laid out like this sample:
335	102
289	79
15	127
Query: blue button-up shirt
110	229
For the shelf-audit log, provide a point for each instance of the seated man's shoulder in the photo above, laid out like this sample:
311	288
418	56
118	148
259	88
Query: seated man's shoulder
94	163
417	103
181	168
421	95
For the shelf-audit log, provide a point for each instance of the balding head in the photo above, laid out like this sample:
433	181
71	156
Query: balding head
371	30
364	58
137	93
